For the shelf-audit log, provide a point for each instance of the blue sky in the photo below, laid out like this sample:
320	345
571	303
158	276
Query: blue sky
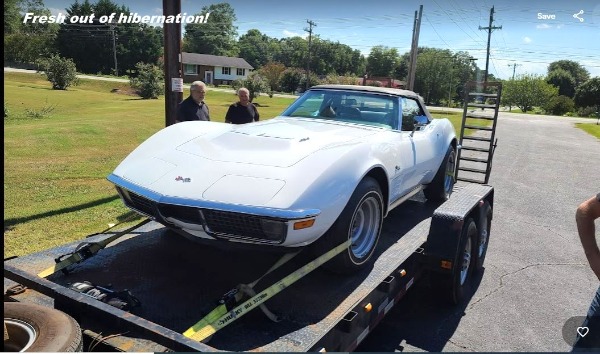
524	39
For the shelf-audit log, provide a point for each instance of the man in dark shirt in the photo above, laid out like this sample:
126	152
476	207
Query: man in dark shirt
193	107
242	111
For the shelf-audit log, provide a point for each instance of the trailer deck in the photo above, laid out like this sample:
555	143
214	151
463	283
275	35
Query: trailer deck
179	281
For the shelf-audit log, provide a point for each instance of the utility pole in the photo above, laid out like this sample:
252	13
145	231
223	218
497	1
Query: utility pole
309	30
172	58
514	65
412	69
489	29
114	42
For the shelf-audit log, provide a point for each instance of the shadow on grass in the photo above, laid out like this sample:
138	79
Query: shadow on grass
9	223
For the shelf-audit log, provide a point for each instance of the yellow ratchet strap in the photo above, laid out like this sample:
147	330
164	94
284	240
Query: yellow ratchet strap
85	250
221	317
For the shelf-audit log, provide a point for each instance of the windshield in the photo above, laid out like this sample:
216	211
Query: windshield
347	106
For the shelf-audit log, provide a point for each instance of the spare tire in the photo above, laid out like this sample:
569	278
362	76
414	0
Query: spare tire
36	328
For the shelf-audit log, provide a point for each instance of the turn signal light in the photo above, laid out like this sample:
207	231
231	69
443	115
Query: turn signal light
299	225
446	265
368	307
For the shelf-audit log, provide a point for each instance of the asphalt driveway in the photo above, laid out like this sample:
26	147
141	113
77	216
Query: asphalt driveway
536	276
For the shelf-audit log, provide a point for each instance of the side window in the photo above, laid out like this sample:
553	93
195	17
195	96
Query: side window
410	109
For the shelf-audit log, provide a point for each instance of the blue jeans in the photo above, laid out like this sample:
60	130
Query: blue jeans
592	340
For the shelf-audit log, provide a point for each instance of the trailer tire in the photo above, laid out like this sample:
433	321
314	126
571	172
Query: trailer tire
441	186
361	221
485	225
36	328
453	286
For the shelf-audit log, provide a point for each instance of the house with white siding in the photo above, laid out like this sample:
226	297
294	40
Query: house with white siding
213	69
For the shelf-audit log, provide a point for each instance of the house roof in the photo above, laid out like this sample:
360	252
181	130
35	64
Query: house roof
214	60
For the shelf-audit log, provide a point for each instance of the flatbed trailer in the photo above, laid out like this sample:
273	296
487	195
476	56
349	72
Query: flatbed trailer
178	282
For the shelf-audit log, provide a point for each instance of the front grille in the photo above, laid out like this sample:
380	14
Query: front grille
234	223
186	214
140	203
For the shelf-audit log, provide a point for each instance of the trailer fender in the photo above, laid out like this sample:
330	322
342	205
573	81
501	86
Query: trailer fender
36	328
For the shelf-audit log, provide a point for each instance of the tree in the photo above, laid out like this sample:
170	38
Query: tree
257	49
527	91
290	79
149	81
579	73
563	80
272	73
91	44
434	76
588	94
61	72
216	36
27	42
382	61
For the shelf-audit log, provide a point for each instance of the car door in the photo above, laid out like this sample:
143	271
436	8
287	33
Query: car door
421	142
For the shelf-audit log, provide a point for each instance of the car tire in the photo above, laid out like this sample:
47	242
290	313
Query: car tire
481	246
36	328
361	221
441	186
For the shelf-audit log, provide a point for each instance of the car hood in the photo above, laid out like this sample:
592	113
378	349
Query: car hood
280	142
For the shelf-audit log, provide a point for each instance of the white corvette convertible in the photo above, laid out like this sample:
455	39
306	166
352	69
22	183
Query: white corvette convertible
330	167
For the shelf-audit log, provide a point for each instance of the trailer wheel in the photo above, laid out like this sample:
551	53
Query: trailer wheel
361	222
485	225
441	186
452	286
463	264
36	328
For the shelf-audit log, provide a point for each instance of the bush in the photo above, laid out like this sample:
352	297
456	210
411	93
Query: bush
559	105
61	72
590	111
290	79
149	81
341	80
44	112
255	84
312	81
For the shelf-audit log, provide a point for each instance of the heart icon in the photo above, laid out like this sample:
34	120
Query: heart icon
582	331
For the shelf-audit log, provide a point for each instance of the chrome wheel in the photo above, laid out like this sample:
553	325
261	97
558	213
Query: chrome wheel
365	226
466	261
449	176
21	335
483	241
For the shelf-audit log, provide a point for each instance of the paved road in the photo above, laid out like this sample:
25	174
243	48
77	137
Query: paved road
536	276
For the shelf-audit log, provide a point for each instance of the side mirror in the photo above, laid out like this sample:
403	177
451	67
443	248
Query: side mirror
420	121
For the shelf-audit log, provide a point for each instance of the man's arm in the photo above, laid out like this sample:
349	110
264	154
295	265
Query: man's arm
229	114
586	213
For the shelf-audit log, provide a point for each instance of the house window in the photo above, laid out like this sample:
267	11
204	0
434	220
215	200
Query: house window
226	71
190	69
241	72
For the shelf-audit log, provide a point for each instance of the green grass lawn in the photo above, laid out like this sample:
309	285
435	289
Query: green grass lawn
55	166
591	128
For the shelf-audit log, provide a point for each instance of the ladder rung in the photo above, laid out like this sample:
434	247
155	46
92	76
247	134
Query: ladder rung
481	105
470	180
476	138
478	127
475	149
473	159
472	170
483	94
472	115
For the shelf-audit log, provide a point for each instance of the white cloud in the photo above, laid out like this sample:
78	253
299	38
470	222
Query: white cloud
287	33
527	40
158	10
55	11
543	26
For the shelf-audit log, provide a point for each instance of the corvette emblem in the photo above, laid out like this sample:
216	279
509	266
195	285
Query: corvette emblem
184	180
